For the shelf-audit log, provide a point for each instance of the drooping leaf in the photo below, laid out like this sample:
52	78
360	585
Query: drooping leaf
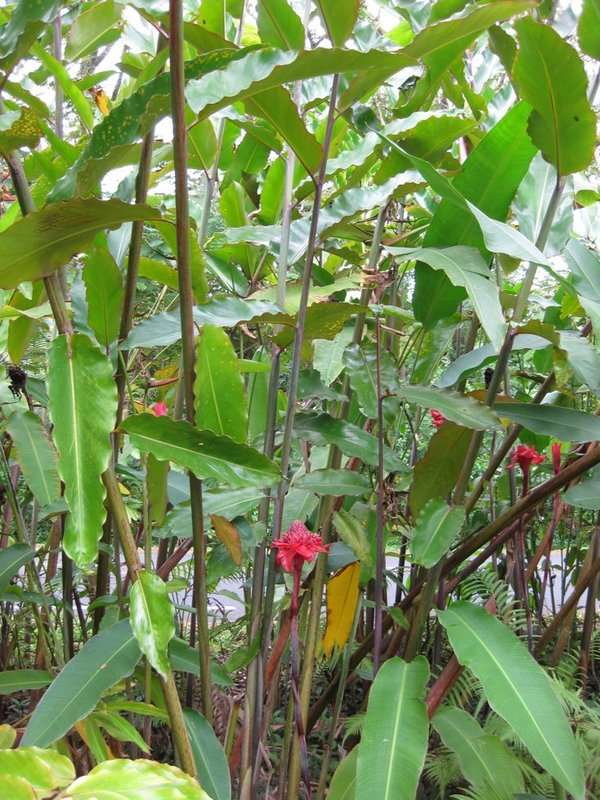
82	404
394	736
459	408
36	456
566	424
104	294
21	680
11	560
209	756
151	618
103	660
549	75
336	482
228	535
205	453
339	19
517	688
342	597
279	25
220	400
436	527
45	240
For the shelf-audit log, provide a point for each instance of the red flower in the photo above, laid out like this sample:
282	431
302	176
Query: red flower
160	409
524	456
556	457
437	417
297	546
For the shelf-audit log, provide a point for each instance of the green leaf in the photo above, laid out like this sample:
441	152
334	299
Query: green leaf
343	783
481	756
43	771
585	269
151	618
588	28
323	321
279	25
585	494
26	23
517	688
104	294
361	365
102	661
352	440
119	728
565	424
82	404
436	473
44	241
339	20
489	177
436	527
209	756
219	394
336	482
11	560
89	29
35	455
19	129
459	408
123	779
71	90
205	453
394	736
21	680
550	76
7	736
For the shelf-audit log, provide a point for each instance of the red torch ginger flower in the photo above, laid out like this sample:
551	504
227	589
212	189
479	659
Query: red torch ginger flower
524	456
297	546
556	457
160	409
437	417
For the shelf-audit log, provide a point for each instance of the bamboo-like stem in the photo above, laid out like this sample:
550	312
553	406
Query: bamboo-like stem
186	307
379	537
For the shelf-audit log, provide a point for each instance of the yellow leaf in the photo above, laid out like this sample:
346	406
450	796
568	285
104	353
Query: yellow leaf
342	597
229	536
101	100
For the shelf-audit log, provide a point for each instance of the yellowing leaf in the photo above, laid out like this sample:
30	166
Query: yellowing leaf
342	597
101	100
229	536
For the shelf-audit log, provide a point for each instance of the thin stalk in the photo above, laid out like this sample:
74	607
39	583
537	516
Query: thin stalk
379	539
186	306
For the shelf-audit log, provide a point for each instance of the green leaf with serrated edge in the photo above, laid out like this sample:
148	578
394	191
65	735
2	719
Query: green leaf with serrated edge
565	424
279	25
209	756
549	74
517	689
205	453
352	440
436	527
82	404
461	409
36	456
21	680
489	177
393	743
103	660
436	473
104	294
26	22
140	779
11	560
336	482
588	28
151	616
44	241
219	396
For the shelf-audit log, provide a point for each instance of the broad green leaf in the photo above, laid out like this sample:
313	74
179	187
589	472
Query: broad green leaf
45	240
71	90
436	473
517	688
279	25
82	404
561	423
220	400
7	736
123	779
328	356
102	661
588	28
336	482
549	75
11	560
360	362
585	268
209	756
459	408
119	728
489	177
436	527
151	618
104	294
35	455
481	756
343	783
89	29
323	321
339	18
43	770
353	532
168	231
582	357
21	680
19	129
26	23
352	440
205	453
394	736
585	494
